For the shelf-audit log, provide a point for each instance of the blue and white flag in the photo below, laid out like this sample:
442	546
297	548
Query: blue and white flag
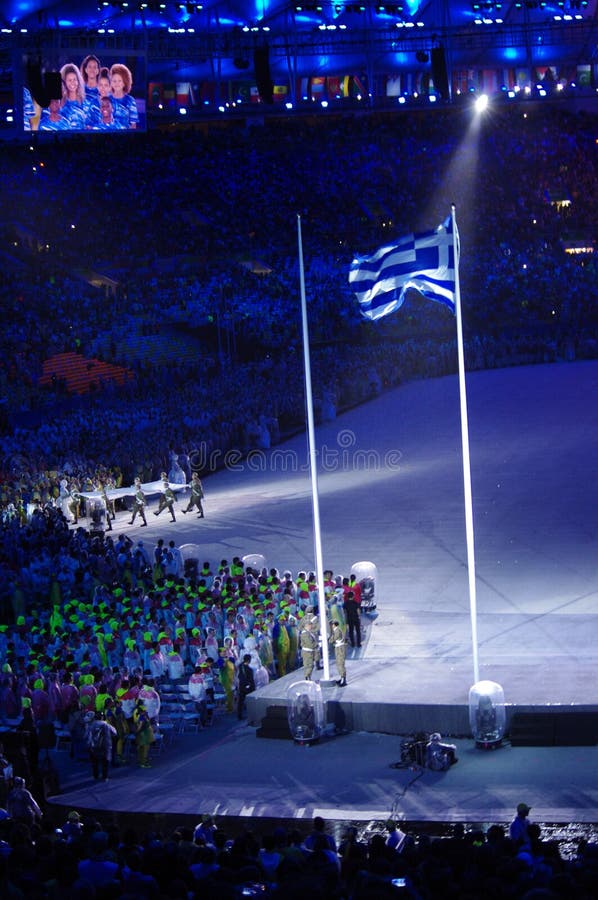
423	261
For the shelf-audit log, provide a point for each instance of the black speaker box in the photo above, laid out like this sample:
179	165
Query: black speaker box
261	64
557	729
439	72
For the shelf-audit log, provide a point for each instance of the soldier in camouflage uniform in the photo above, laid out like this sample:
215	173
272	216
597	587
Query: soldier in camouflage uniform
309	646
167	499
196	496
337	639
139	505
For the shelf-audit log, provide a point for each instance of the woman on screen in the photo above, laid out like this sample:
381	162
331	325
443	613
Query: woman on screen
74	105
52	119
106	121
90	72
125	107
28	109
96	120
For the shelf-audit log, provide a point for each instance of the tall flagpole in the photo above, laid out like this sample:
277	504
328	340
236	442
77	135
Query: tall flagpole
313	463
466	465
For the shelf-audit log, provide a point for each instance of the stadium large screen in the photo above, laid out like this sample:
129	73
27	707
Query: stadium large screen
84	92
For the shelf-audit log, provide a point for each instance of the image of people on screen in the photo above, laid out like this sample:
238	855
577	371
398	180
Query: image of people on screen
126	113
74	105
51	118
93	98
28	109
90	72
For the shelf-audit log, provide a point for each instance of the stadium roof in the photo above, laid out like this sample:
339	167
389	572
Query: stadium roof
326	36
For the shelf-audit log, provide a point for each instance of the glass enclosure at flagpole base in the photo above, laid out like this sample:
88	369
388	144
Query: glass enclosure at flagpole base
366	574
487	716
95	508
254	561
305	711
190	554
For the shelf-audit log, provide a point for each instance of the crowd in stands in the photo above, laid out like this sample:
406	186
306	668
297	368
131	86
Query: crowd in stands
169	218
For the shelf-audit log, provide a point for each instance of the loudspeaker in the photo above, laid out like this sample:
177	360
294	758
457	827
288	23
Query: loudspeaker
261	64
562	729
53	86
439	73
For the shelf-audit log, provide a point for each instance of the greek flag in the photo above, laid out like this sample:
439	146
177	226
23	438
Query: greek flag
423	261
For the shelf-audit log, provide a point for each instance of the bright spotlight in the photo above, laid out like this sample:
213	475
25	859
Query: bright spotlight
481	103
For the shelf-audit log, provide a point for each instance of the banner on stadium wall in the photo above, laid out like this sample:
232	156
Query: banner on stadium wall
489	81
155	93
184	94
393	86
317	87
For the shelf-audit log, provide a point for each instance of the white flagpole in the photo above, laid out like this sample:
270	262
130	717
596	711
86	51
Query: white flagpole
466	464
313	463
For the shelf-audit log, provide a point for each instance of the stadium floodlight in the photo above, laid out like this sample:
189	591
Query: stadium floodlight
481	103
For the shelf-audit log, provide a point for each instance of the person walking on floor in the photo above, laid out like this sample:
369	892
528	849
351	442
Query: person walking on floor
167	499
139	504
196	496
353	614
99	742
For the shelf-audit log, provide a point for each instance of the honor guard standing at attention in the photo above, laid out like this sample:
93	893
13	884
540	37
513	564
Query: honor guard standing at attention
167	499
139	503
311	616
309	645
196	496
337	639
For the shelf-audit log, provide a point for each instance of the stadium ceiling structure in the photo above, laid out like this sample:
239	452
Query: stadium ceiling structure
316	37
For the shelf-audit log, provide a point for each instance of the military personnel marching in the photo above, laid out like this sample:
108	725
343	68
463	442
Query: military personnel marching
139	503
167	499
196	496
